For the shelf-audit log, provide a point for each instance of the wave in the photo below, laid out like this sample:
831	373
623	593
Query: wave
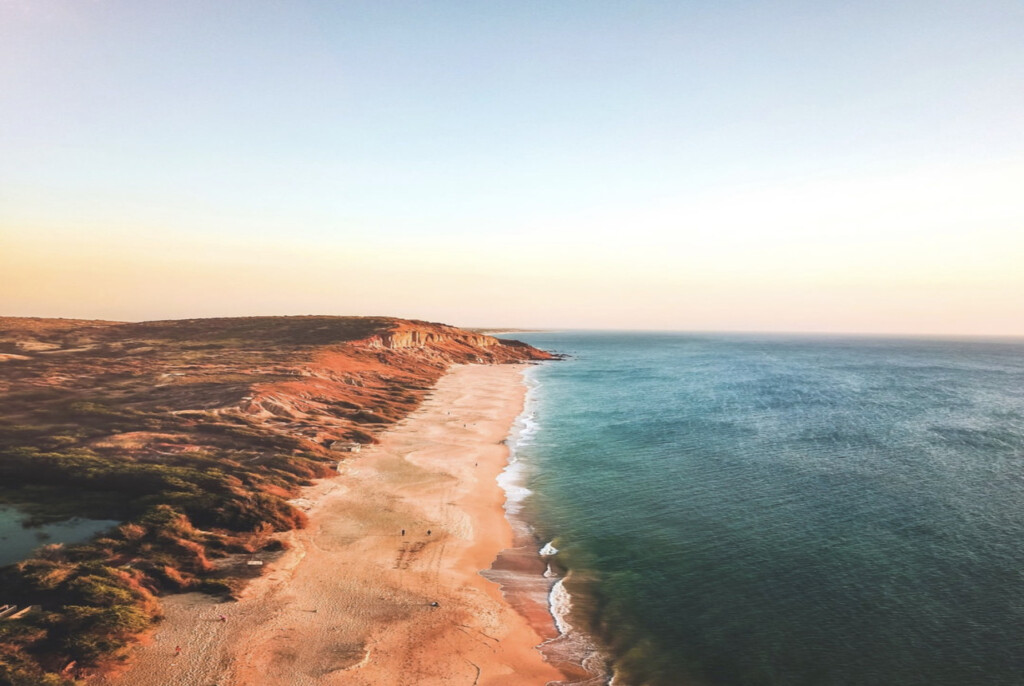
514	477
569	646
511	481
560	604
572	645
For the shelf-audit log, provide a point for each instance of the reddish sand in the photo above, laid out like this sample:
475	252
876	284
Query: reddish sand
353	601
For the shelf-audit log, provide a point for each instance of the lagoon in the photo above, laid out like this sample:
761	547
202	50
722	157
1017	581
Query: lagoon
18	537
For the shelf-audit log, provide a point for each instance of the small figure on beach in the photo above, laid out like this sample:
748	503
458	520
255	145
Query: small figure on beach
428	532
435	604
177	650
403	532
223	618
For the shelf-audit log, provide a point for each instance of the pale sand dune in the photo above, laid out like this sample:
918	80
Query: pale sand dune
351	602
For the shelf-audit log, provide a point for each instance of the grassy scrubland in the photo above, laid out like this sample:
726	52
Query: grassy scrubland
181	515
194	434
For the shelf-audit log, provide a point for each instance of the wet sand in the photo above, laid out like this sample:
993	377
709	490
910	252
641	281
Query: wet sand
352	602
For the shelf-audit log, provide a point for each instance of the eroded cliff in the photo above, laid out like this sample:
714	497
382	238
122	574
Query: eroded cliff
195	434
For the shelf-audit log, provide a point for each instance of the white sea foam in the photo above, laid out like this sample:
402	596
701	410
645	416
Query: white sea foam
511	481
513	478
570	645
528	426
560	602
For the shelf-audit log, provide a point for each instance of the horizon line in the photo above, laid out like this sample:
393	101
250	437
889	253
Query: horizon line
508	330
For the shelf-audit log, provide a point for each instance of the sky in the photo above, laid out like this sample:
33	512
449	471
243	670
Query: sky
794	165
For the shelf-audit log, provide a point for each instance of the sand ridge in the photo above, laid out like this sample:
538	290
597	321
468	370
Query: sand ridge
356	602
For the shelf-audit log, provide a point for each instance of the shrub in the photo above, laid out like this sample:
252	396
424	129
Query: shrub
163	521
174	578
18	671
100	591
44	575
192	556
132	532
217	587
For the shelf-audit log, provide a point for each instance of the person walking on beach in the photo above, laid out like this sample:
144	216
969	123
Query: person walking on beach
177	651
403	532
428	532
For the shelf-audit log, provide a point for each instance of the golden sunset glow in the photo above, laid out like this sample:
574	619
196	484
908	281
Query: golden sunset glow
287	185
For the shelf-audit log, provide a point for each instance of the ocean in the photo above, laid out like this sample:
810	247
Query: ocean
740	510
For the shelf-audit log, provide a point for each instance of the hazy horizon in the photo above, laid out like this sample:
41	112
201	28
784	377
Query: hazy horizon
794	167
512	330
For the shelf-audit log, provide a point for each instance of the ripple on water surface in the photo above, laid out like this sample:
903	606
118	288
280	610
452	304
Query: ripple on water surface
771	510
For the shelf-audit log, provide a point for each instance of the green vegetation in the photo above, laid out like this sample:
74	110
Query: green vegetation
181	514
159	425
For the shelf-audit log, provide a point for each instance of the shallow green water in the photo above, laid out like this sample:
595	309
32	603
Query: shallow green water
17	541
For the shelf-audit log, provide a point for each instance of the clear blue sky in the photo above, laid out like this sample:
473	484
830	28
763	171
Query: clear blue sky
643	146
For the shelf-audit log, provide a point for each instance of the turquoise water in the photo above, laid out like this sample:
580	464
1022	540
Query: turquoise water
17	541
740	510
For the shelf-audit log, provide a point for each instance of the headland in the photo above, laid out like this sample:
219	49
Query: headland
209	440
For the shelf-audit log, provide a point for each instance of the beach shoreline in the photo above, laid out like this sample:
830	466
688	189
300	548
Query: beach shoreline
529	573
357	601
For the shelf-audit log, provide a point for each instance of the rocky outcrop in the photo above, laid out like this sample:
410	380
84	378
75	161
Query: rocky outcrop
416	337
365	384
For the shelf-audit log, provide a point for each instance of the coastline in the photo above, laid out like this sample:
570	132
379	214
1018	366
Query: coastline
351	601
529	572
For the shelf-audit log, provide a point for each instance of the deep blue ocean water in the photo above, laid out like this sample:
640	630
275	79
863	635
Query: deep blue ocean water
747	510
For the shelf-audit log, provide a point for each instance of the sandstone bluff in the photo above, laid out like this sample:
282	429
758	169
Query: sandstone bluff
195	434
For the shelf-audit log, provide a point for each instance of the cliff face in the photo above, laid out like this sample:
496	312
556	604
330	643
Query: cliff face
310	380
348	392
194	434
415	335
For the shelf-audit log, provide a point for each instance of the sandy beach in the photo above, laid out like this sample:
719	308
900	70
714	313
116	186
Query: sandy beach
354	601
